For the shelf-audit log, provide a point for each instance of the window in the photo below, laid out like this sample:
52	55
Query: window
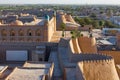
37	40
21	33
29	32
3	39
12	33
3	32
12	39
21	39
29	40
40	59
38	32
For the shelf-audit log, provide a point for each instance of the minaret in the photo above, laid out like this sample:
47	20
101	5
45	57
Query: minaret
54	15
46	25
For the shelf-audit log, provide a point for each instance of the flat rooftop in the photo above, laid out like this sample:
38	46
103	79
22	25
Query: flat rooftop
37	64
2	69
38	22
27	74
104	42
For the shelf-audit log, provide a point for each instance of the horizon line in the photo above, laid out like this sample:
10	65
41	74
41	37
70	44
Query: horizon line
53	4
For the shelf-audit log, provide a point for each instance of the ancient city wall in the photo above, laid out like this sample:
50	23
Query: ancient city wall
69	18
118	69
88	57
114	54
87	45
98	70
76	47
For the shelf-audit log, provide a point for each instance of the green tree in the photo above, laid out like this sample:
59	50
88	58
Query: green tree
63	27
101	23
93	15
108	23
87	20
95	24
81	21
75	34
76	19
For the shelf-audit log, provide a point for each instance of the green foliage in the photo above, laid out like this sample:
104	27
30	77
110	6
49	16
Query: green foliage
91	35
109	24
93	15
95	24
83	21
75	33
63	34
101	23
88	20
63	27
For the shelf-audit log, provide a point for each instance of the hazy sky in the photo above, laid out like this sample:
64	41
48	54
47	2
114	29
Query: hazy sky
60	2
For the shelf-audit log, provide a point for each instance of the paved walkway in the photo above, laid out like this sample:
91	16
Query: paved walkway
57	71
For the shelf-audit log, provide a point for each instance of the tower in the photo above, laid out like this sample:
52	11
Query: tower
46	24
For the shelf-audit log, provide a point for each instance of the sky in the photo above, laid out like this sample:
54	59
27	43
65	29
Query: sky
113	2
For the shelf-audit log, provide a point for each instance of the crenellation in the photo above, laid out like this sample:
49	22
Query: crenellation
97	61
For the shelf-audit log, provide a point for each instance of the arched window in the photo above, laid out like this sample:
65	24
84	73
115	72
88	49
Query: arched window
21	39
38	32
37	40
21	32
3	39
12	33
12	39
29	40
3	32
29	32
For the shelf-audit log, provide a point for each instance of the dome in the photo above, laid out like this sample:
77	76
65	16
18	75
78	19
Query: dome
17	22
47	17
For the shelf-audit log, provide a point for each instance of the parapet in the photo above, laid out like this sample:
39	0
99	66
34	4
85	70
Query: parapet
89	57
82	45
87	44
97	70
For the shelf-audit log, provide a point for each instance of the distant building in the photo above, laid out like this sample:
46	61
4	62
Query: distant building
115	20
68	21
20	36
110	31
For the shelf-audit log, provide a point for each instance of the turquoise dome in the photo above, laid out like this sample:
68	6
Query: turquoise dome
47	17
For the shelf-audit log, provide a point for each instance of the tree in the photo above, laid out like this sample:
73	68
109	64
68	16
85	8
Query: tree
63	27
91	35
75	33
93	15
101	23
95	24
76	19
87	20
109	24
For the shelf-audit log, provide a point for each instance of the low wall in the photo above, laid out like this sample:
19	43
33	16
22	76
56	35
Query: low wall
88	57
114	54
